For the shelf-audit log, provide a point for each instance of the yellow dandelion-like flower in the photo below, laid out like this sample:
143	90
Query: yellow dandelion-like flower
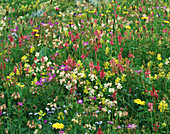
167	22
128	27
58	125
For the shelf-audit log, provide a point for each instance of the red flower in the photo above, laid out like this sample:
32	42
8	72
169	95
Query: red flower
102	74
99	131
98	66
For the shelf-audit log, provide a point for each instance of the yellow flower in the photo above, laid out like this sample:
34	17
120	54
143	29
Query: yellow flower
35	30
164	124
37	35
125	12
117	80
160	65
144	18
23	58
17	73
128	27
138	101
32	49
123	77
41	113
58	126
167	22
163	105
159	57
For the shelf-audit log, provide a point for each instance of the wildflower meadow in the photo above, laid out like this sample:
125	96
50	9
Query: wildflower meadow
84	66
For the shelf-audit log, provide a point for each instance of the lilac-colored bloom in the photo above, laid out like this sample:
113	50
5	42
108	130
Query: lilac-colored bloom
109	111
110	122
119	127
80	102
85	43
20	103
62	67
132	126
61	132
7	60
66	68
138	71
100	107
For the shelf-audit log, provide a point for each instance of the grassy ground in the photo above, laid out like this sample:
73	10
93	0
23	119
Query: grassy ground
75	67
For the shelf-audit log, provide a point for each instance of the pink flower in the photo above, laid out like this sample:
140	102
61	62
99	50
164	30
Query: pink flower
102	74
20	103
57	8
150	105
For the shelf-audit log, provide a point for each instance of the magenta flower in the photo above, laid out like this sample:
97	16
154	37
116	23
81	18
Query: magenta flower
45	121
57	8
20	103
80	102
132	126
85	43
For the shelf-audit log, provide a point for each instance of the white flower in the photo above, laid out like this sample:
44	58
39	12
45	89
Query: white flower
53	71
45	58
166	62
65	29
37	54
98	95
67	75
106	85
111	90
92	92
49	63
62	74
119	86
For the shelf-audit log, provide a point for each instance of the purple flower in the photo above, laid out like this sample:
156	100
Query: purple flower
94	98
132	126
45	121
20	103
56	54
0	112
100	107
61	132
7	60
119	127
80	102
56	23
66	68
62	67
85	43
139	71
50	78
110	122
